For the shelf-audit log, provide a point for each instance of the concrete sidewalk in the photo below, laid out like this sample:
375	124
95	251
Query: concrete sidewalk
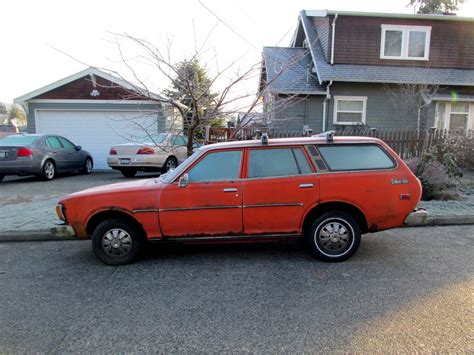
27	206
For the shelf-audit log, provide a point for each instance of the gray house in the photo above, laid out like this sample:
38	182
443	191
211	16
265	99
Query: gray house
386	71
96	110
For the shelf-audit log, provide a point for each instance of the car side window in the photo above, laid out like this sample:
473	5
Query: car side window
218	166
277	162
66	144
53	142
356	157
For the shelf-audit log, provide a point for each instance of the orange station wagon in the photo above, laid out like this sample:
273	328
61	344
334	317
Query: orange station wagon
325	190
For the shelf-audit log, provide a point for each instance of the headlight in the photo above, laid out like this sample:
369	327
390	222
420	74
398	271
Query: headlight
60	212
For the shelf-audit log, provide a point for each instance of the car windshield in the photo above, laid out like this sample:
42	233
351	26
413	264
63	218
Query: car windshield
172	174
18	140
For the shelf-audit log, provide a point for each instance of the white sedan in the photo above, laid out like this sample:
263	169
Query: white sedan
161	152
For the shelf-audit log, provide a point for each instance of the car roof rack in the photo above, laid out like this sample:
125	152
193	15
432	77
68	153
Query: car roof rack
329	135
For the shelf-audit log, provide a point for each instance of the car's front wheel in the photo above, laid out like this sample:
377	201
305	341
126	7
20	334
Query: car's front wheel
116	243
334	236
87	168
170	164
49	170
128	172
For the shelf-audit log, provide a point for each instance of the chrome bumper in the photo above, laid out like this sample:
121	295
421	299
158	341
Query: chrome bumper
417	217
63	231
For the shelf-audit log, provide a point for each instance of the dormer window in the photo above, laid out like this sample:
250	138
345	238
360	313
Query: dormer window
405	42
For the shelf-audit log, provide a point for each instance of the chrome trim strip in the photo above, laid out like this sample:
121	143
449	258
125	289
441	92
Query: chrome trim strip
196	208
230	189
232	237
275	205
305	186
145	210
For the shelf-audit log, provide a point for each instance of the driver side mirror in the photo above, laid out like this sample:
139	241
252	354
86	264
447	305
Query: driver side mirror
183	180
78	147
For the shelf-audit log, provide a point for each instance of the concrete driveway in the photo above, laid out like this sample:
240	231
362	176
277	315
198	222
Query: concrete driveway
27	203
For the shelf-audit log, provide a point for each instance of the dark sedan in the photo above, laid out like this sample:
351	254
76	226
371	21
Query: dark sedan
43	155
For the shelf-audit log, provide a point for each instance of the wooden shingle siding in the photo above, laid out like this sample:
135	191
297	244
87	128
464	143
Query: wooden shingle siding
358	41
323	26
80	89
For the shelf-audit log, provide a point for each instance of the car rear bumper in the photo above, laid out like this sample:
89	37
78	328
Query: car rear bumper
19	167
145	161
64	230
416	217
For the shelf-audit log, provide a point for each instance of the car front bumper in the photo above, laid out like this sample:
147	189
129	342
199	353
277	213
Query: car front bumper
417	217
64	230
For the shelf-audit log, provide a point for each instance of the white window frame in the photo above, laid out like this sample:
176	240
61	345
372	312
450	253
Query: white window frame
448	112
405	41
349	98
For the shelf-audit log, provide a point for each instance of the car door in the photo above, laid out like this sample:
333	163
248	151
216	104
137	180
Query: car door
57	152
280	187
210	204
74	159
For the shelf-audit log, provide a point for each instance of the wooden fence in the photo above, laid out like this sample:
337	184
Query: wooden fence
407	143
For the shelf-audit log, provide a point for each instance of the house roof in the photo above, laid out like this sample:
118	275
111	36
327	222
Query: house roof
378	73
288	71
91	71
438	17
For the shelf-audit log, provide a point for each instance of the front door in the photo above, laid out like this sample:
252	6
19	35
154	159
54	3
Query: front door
211	202
280	188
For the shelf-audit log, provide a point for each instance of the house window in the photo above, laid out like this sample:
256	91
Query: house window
405	42
349	109
454	115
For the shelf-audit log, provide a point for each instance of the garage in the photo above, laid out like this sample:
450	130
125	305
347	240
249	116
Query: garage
96	131
95	110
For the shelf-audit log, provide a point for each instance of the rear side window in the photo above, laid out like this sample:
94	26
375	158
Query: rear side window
277	162
356	157
53	142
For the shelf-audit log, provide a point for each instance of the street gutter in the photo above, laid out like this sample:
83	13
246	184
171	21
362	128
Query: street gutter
45	234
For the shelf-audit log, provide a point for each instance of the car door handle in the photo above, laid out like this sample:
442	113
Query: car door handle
230	189
305	186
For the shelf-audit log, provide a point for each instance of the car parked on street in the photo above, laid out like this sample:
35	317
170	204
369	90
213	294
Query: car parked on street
325	190
42	155
161	152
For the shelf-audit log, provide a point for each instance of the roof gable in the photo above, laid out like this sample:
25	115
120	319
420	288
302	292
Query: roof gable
89	84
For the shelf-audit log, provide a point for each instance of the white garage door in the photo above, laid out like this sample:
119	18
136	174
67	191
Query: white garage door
97	131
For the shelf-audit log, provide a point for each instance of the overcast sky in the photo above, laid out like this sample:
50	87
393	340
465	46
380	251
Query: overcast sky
34	33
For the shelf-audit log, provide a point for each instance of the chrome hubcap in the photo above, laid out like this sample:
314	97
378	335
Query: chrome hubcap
333	237
49	170
171	164
116	242
88	166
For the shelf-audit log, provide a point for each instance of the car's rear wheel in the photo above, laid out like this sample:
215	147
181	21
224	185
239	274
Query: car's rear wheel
116	243
48	172
334	236
129	172
170	164
87	168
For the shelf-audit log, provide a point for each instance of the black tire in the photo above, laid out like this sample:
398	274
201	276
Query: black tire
116	243
88	165
129	172
334	236
170	163
48	171
1	177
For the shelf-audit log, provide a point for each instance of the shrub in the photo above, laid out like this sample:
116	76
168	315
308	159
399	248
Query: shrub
436	183
455	151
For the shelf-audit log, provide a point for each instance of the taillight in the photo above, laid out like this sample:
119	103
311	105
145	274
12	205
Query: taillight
24	152
146	150
112	151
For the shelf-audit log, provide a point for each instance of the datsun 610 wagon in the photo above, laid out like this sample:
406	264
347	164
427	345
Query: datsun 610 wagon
325	190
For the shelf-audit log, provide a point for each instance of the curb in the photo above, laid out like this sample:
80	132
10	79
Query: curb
30	236
45	234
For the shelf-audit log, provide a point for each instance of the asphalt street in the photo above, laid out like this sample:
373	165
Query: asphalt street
405	290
